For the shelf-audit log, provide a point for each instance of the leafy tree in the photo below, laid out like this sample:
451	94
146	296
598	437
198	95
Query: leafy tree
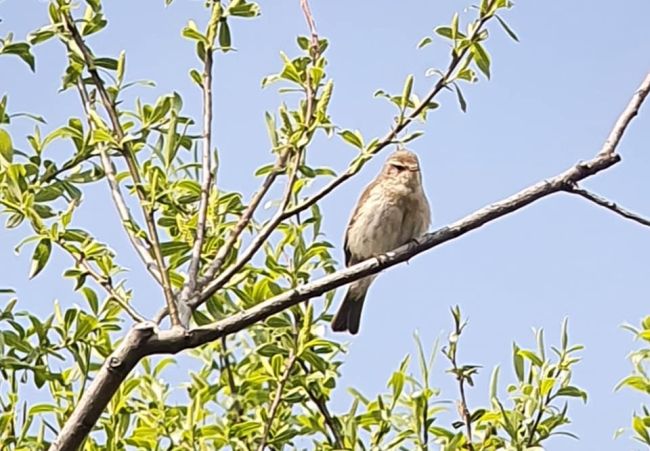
235	284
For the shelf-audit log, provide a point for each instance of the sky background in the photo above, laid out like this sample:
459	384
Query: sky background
551	102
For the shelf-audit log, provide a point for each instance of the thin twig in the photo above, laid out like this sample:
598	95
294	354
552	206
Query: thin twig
630	111
277	398
132	165
105	283
321	404
399	127
128	223
462	376
606	203
257	242
241	224
231	378
207	165
304	5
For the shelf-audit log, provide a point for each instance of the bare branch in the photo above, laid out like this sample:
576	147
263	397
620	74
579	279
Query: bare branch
277	398
128	223
606	203
241	224
207	165
131	163
304	5
630	111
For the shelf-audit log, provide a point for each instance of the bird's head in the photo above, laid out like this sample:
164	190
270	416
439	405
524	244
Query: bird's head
403	166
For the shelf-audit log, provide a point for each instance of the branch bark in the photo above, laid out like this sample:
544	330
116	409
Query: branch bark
207	163
611	206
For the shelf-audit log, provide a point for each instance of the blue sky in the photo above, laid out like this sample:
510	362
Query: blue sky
551	102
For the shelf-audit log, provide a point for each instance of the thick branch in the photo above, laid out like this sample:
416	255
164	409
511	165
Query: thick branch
606	203
109	378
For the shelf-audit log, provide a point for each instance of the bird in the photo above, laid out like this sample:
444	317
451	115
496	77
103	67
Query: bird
391	211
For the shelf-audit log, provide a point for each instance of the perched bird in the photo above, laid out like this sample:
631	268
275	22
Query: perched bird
391	211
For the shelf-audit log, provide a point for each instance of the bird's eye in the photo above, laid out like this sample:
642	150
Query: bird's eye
399	167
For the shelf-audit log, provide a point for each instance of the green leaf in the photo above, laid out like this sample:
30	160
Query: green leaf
352	137
482	59
21	50
191	32
424	42
6	146
530	355
573	392
242	9
461	99
40	257
507	29
224	36
106	63
196	76
406	92
518	362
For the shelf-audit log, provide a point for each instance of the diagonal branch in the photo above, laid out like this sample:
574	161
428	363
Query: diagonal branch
630	111
127	153
606	203
104	282
321	404
242	223
123	211
277	398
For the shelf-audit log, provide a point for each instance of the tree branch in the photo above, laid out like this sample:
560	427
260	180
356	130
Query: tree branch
123	211
277	398
207	165
109	378
321	404
630	111
606	203
127	153
105	283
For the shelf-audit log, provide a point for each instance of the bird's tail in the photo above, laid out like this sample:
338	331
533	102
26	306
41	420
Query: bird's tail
348	316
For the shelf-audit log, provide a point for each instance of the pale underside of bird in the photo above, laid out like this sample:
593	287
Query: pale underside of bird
391	211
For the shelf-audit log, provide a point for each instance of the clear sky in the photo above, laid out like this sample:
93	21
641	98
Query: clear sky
551	102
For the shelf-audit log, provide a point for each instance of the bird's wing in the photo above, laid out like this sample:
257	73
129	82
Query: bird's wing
350	258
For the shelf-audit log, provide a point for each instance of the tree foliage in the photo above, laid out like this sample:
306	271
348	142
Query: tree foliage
214	256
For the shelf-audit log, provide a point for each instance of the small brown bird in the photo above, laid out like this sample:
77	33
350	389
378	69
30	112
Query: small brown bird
391	211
